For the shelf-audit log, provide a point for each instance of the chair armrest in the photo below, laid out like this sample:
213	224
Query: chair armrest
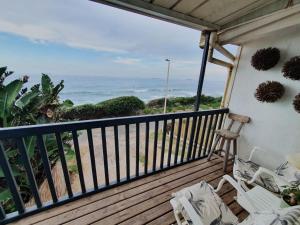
238	188
262	170
190	211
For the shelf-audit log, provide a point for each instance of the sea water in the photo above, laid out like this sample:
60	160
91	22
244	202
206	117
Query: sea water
94	89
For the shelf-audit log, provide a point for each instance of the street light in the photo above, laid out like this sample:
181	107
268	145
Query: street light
167	85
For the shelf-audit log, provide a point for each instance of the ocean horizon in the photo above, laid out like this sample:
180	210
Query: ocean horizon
94	89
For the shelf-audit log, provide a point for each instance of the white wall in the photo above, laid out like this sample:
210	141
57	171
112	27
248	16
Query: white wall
274	126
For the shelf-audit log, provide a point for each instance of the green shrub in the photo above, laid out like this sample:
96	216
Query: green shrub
122	106
156	103
185	101
83	112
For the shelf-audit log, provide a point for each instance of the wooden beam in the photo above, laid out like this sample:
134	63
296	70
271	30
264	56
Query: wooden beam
264	8
260	26
155	11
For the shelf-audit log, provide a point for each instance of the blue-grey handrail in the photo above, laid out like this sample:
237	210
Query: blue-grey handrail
22	131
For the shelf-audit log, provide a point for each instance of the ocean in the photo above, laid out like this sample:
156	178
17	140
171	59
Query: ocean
94	89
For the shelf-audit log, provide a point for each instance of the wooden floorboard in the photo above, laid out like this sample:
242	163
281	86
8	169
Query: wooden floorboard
146	182
145	201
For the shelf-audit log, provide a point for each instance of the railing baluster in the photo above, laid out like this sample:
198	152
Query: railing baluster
186	131
171	142
92	157
64	164
221	121
202	138
155	145
197	137
116	134
78	160
32	181
11	182
216	117
47	168
163	145
208	134
146	148
104	149
137	150
2	213
192	136
127	152
178	141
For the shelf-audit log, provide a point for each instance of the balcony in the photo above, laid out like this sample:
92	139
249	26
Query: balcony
144	201
129	175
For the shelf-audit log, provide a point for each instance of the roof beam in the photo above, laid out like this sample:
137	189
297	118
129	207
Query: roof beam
155	11
261	26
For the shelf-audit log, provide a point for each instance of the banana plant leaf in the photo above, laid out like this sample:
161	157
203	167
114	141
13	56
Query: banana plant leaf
15	171
8	95
26	98
47	84
5	195
30	143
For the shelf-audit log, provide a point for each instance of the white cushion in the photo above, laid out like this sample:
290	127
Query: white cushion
286	216
207	204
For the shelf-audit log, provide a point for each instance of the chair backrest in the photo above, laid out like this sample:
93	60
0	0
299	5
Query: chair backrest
237	118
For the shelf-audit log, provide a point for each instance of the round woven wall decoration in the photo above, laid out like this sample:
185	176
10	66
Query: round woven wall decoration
265	58
296	103
269	91
291	69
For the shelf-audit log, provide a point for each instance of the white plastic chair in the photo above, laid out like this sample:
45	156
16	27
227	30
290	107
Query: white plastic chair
268	168
199	204
254	200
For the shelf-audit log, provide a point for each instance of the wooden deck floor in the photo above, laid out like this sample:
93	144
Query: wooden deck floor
145	201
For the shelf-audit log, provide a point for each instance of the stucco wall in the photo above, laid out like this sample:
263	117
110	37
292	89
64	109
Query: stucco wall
275	127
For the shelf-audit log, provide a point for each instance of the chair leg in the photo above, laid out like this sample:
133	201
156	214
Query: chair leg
234	148
227	150
178	220
221	145
212	150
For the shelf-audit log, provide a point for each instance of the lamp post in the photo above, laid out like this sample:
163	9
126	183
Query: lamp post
167	85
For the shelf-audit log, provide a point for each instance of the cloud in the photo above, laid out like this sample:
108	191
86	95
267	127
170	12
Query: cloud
112	36
89	25
127	61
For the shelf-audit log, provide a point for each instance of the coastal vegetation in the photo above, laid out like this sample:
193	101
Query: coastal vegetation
28	106
120	106
131	105
39	104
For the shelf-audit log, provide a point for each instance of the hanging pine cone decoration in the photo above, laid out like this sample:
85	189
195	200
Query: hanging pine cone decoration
269	91
291	69
296	103
265	58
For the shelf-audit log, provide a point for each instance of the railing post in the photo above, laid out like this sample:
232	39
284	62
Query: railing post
202	71
2	213
11	182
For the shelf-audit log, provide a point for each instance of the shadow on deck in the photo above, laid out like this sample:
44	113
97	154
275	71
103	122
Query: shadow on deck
145	201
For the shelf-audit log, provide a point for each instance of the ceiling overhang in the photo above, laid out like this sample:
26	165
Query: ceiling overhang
230	18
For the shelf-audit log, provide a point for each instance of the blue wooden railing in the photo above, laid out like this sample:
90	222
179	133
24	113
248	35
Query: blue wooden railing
178	138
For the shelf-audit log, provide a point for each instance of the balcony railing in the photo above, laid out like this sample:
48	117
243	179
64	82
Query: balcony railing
142	145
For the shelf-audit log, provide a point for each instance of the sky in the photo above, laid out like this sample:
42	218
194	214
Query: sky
67	37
